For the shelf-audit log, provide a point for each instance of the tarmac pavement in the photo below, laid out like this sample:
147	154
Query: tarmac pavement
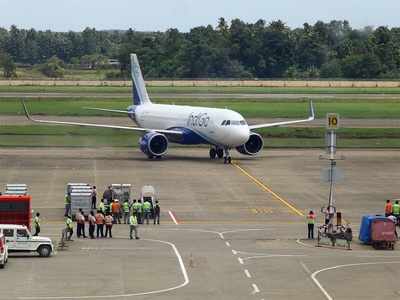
239	234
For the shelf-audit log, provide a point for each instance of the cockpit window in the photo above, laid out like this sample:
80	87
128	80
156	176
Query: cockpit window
223	123
243	122
228	122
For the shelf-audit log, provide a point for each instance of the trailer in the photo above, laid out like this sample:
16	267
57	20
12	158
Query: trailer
378	231
81	197
121	191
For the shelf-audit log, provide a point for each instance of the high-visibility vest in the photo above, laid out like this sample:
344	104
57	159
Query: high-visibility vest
133	220
125	206
135	207
102	207
67	200
311	219
139	207
396	209
146	206
68	222
108	220
99	219
388	208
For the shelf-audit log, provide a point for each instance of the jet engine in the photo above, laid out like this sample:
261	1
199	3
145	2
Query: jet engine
253	146
153	144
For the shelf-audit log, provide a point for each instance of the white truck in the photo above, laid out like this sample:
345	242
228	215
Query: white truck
3	251
19	239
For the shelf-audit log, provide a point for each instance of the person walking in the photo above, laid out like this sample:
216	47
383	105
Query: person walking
133	226
80	227
36	224
126	209
108	220
388	208
92	223
116	211
396	211
157	213
146	211
69	227
94	197
99	224
67	202
310	224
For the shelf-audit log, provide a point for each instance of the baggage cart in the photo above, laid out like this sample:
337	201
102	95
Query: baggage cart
383	234
148	194
121	191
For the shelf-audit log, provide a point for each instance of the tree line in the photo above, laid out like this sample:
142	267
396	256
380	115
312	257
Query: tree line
228	50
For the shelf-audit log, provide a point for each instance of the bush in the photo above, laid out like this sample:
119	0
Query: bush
53	67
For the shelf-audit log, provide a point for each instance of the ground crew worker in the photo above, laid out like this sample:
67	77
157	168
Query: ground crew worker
99	224
69	227
92	223
348	234
116	211
157	213
80	227
67	203
388	208
146	207
139	212
135	206
102	207
36	224
310	223
94	197
107	195
133	226
125	208
108	220
396	211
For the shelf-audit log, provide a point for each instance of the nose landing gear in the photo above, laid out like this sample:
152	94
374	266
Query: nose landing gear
227	157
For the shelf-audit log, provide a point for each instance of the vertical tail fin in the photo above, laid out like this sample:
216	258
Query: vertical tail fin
140	95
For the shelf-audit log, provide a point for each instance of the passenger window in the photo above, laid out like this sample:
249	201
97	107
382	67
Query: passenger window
8	232
21	233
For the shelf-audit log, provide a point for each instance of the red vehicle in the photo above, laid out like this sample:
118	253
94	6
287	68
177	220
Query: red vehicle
383	234
15	209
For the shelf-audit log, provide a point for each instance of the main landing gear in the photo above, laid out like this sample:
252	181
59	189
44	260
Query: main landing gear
216	153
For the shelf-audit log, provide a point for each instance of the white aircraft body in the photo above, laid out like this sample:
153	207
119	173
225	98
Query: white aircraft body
222	129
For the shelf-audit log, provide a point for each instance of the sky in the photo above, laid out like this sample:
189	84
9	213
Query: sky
152	15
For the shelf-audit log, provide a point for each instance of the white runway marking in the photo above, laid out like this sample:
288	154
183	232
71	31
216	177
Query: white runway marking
255	289
181	265
304	244
227	244
234	252
273	255
305	267
247	273
319	285
173	217
240	260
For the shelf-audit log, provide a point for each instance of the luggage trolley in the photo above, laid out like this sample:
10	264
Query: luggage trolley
81	197
121	191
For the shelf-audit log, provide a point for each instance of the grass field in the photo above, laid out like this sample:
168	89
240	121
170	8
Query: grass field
66	136
197	90
249	109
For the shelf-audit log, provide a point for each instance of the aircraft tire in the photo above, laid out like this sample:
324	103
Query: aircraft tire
220	153
213	153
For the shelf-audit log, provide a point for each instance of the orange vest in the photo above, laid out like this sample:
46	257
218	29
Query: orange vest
388	208
108	220
115	207
99	219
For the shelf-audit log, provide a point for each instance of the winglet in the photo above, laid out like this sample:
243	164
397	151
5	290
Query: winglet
312	111
26	111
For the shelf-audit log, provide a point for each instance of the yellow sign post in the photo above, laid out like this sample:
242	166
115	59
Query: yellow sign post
332	121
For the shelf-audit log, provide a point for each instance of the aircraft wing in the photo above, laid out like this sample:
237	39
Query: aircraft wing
310	118
108	110
175	132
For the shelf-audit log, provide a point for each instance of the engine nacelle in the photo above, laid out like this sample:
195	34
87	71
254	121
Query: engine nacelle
253	146
153	144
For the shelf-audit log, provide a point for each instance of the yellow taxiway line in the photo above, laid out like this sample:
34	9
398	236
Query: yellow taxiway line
268	190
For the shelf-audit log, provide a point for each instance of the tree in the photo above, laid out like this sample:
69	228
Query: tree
54	67
8	66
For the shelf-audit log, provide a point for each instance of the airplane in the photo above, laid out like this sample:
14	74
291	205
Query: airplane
221	129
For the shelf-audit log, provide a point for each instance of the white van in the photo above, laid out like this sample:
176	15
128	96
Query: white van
3	251
19	239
